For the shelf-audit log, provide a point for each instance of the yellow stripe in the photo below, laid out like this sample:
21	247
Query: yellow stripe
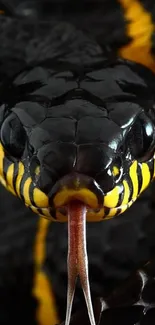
9	179
3	182
134	179
41	199
111	198
126	193
1	160
154	166
124	208
146	176
19	178
111	213
140	28
46	213
34	209
46	312
2	155
26	191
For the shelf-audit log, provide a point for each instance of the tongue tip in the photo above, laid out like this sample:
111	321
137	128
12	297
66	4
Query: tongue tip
77	257
81	316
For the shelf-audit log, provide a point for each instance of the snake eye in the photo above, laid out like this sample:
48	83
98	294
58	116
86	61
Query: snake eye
141	139
13	136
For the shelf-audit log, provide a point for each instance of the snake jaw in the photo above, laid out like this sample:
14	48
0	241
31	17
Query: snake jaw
77	257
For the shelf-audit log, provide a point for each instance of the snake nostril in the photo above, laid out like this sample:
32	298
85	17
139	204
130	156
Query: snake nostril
35	169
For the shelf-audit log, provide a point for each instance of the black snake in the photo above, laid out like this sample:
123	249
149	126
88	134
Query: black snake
77	123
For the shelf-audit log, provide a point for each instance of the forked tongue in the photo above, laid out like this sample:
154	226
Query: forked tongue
77	257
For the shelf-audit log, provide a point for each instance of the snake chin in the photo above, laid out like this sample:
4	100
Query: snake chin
60	214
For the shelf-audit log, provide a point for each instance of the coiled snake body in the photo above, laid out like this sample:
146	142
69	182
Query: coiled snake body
78	139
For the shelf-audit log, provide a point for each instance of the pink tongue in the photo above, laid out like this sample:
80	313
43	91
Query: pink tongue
77	257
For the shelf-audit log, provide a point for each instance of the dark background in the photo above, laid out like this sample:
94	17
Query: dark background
117	247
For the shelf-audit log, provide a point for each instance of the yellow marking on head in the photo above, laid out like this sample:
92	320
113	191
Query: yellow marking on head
134	178
77	183
140	28
115	171
19	177
2	12
146	176
26	191
37	170
46	313
41	200
126	193
84	194
111	198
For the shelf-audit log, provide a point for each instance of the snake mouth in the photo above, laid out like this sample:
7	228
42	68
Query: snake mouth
77	187
60	214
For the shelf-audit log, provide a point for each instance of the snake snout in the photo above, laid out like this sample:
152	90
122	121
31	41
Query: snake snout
76	186
64	172
94	163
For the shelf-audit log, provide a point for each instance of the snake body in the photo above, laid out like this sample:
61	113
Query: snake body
76	128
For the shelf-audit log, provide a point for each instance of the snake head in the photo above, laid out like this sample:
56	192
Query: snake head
78	146
87	136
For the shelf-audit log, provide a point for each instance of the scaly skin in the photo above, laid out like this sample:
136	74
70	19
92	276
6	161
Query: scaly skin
47	134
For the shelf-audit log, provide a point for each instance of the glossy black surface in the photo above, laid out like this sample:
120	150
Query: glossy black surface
117	247
13	136
79	119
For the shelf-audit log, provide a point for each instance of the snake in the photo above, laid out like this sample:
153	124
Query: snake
77	137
